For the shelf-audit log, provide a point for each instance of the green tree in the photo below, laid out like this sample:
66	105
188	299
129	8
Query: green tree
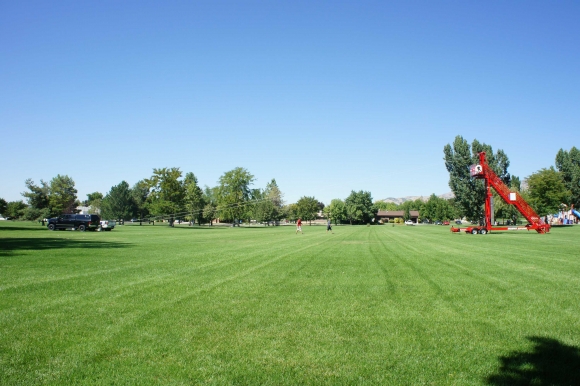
290	212
429	210
118	203
38	200
437	208
139	194
166	192
381	205
210	197
63	196
547	191
234	193
470	192
209	213
307	208
407	215
193	198
94	201
15	210
568	164
336	211
3	206
269	203
360	207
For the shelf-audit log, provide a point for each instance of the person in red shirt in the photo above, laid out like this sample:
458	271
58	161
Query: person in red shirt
299	226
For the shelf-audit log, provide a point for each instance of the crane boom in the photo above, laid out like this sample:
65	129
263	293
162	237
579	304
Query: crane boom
483	171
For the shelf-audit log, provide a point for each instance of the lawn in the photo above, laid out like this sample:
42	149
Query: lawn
365	305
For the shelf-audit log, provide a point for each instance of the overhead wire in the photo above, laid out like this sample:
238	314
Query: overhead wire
219	208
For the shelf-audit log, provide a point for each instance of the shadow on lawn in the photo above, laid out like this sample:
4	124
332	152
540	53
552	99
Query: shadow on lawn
9	246
199	228
216	227
11	228
550	362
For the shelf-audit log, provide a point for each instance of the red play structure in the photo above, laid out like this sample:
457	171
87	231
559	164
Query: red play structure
482	170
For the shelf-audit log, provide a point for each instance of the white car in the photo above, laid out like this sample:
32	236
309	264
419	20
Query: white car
409	222
107	225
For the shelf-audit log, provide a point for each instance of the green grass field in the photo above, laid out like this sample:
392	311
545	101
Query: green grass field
366	305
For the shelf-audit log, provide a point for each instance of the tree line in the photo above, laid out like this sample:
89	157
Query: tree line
170	194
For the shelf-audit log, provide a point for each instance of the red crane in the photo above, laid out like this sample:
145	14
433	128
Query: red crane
483	171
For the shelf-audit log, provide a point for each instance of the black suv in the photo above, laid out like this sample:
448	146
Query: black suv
82	222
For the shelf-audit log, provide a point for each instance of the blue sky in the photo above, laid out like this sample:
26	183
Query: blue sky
325	97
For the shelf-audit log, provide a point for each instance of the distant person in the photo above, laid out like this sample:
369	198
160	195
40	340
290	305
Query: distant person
299	226
329	226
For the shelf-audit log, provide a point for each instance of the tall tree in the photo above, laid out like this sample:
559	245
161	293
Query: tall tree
306	208
234	193
429	210
63	195
336	211
139	194
38	200
166	192
210	197
568	163
118	203
469	192
547	191
360	207
3	206
269	208
261	210
290	212
193	198
209	213
94	201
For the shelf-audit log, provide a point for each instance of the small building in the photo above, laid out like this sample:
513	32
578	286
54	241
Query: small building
386	215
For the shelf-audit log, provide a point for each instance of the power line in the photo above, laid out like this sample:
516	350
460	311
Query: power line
219	208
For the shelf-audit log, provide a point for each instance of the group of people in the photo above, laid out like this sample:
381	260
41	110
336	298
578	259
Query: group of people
299	226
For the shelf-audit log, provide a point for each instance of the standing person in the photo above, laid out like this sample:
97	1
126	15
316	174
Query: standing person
329	226
299	226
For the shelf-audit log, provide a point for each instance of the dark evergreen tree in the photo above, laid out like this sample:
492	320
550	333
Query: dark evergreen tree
118	204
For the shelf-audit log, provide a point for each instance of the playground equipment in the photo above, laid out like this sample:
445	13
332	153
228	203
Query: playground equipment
483	171
564	217
575	212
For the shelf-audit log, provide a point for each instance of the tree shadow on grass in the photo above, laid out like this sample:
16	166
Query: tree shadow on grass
198	228
39	228
216	227
10	246
549	362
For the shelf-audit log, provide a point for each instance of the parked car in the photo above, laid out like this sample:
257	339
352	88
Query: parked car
107	225
82	222
409	222
445	222
458	222
438	222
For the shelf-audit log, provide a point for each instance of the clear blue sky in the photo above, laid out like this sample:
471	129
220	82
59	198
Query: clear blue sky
326	97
